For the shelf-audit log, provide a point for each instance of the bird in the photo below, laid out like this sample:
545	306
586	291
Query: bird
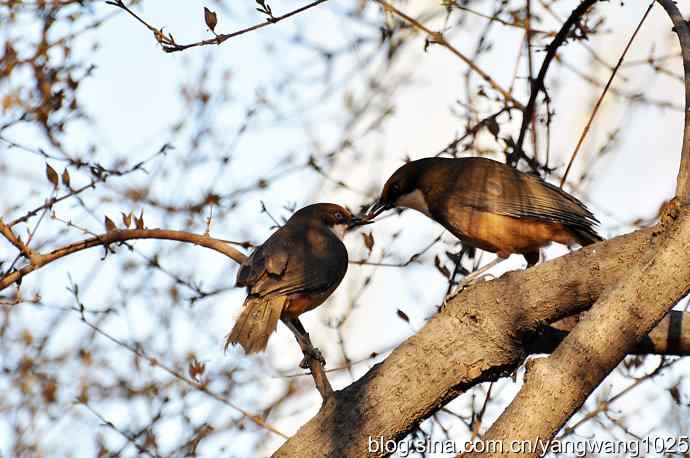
295	270
489	205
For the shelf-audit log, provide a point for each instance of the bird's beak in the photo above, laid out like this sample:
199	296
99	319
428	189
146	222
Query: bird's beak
377	208
356	221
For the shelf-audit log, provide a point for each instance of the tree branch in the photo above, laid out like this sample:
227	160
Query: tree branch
478	337
538	82
557	386
583	135
438	38
670	337
123	235
680	26
118	236
168	42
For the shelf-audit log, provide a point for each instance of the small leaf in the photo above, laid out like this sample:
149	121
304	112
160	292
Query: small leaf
368	240
441	268
493	127
675	394
52	175
109	225
403	316
196	369
210	18
65	177
127	219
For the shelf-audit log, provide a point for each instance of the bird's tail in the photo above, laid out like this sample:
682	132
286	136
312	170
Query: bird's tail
256	323
585	235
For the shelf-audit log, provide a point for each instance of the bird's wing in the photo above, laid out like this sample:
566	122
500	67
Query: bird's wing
494	187
315	261
271	258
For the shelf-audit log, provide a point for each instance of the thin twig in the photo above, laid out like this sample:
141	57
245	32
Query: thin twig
680	26
538	83
156	363
603	94
168	42
438	38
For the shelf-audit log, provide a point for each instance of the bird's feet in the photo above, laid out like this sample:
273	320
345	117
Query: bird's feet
311	354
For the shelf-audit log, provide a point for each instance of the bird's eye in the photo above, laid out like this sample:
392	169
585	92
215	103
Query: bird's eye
338	216
395	188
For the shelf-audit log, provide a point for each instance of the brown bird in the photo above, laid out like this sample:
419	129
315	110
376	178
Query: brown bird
489	205
292	272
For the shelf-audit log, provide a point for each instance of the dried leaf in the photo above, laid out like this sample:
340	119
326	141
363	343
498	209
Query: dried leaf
441	267
139	222
675	394
196	369
109	225
65	177
127	219
210	18
52	175
368	240
49	391
493	127
403	316
83	394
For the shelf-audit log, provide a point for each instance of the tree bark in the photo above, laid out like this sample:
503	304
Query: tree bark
479	336
557	386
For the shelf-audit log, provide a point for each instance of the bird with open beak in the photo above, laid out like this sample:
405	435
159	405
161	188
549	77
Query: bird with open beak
292	272
489	205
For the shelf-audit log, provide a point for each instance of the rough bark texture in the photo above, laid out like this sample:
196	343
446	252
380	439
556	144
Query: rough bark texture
557	386
477	337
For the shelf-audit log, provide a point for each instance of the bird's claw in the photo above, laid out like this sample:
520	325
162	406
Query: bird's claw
311	354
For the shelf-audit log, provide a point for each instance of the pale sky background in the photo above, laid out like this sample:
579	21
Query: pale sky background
133	100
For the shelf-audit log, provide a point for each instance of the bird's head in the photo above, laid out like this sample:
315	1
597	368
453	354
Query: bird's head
337	218
401	190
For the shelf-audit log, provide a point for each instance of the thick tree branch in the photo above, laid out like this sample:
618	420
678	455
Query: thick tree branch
478	337
670	337
557	386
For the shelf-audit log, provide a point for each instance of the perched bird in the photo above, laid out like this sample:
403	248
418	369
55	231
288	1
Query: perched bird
489	205
292	272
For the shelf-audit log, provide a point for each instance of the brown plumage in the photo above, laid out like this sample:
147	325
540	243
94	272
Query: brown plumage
489	205
292	272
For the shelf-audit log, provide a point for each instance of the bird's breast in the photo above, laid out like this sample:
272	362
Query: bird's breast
416	201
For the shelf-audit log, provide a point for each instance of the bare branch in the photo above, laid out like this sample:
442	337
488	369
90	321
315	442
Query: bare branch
438	38
680	26
6	231
538	83
168	42
116	236
603	94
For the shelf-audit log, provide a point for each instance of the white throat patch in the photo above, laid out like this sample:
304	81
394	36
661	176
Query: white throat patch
339	230
414	200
